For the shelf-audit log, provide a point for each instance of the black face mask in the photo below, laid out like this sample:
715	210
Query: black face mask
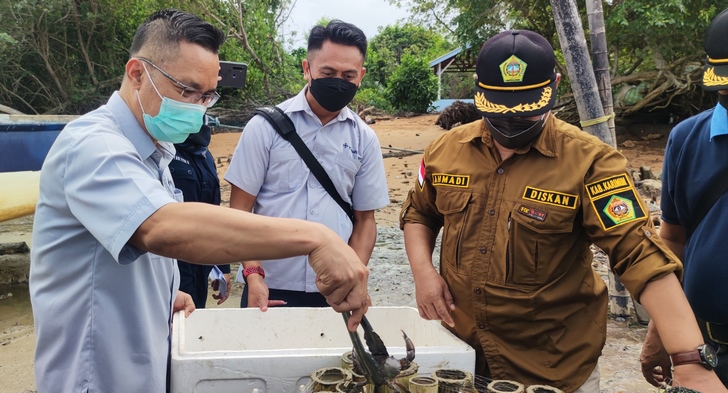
514	132
333	94
197	143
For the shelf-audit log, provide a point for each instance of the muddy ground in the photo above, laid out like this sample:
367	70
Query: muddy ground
390	283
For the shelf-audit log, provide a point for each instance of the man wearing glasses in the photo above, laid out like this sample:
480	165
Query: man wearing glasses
109	225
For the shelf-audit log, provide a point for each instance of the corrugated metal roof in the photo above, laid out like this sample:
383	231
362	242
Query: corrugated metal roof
448	56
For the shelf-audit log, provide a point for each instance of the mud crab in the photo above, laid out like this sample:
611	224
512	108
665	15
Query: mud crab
376	365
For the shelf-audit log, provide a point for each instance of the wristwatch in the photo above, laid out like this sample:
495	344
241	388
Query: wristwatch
704	355
252	270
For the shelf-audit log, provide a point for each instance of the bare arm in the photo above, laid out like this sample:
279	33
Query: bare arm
675	322
674	237
364	234
258	293
434	300
231	235
241	200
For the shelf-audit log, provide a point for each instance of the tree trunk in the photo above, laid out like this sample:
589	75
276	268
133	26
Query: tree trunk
618	294
590	104
600	59
578	64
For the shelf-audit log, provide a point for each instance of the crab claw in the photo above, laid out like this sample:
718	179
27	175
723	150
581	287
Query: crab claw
410	348
374	342
365	360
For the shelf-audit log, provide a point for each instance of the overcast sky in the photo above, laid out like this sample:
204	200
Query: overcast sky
365	14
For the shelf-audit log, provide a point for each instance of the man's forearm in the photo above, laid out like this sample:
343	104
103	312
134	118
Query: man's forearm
174	231
671	313
363	235
419	241
673	236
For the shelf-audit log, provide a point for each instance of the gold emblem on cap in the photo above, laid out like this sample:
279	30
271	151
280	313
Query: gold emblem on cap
710	79
486	106
513	69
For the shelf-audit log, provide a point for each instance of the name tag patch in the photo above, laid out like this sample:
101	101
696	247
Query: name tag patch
607	186
615	201
553	198
445	179
536	214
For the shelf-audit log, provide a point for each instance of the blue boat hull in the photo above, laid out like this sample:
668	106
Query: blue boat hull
24	147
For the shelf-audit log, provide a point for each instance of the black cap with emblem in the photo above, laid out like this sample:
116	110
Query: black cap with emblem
715	76
516	75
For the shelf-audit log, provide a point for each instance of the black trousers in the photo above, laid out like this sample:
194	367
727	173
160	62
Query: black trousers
292	298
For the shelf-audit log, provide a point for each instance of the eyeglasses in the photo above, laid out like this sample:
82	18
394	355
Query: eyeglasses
188	93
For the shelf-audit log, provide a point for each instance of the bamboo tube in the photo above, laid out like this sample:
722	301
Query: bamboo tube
18	194
326	379
422	384
543	389
505	386
347	361
452	380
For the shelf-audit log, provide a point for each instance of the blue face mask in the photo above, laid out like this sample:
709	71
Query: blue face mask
175	120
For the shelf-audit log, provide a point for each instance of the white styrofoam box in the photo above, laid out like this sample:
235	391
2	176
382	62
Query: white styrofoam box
239	350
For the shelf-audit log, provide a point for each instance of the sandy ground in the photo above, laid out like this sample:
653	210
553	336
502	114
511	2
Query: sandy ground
390	280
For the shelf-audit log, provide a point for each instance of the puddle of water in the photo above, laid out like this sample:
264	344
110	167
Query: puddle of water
15	309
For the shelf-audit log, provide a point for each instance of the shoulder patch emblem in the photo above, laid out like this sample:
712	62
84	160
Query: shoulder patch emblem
536	214
615	201
553	198
446	179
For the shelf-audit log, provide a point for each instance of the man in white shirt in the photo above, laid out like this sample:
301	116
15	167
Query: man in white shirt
269	177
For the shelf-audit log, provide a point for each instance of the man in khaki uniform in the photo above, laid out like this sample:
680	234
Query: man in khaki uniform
521	196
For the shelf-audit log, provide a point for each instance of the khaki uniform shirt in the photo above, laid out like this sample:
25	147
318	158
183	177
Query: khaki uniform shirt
515	247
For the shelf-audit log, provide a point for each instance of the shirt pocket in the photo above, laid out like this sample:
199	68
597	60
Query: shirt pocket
285	170
346	169
454	206
534	249
185	181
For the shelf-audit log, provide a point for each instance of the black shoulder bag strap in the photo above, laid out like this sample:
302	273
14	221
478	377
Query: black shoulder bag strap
706	203
283	124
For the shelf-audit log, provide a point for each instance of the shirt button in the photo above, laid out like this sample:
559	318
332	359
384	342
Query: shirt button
311	185
478	291
311	212
648	233
483	250
492	212
500	171
481	325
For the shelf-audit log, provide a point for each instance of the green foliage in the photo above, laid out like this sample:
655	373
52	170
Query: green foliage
371	96
68	56
391	43
642	35
412	86
672	29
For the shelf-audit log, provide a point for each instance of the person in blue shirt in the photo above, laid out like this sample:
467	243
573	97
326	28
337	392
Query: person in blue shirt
110	224
194	172
696	160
